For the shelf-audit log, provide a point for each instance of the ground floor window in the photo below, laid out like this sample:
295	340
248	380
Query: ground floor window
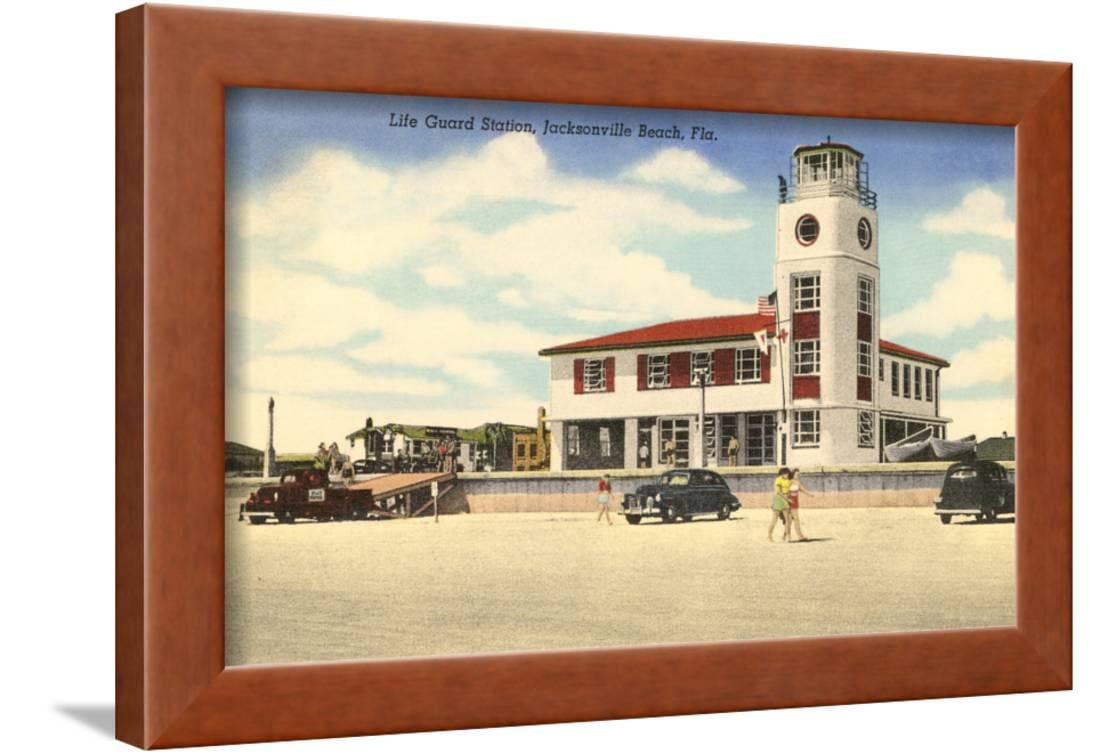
760	439
605	441
675	441
866	429
728	442
807	428
573	440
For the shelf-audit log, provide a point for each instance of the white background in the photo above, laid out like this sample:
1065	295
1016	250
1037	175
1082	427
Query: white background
57	303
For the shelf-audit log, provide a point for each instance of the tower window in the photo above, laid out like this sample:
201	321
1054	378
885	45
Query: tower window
865	357
807	292
866	429
807	357
807	428
863	232
866	295
807	229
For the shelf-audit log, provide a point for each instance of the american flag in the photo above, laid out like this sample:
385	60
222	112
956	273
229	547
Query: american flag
765	305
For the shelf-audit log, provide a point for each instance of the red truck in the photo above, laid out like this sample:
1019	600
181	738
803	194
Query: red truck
306	493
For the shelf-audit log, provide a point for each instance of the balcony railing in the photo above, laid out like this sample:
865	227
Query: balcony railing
857	188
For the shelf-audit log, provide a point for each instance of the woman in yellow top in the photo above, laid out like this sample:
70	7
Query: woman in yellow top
781	503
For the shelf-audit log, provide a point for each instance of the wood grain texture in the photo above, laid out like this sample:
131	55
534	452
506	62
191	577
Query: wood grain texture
173	66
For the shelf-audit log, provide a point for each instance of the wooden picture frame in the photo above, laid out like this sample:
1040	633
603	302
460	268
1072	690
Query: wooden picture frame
173	64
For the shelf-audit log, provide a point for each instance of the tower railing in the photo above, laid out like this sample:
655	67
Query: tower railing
858	188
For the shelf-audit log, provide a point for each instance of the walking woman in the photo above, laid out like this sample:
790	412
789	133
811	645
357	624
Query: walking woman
794	516
781	503
603	499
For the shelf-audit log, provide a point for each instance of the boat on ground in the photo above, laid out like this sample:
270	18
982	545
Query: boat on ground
955	450
915	447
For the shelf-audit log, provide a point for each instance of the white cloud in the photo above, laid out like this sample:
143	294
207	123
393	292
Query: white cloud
512	297
590	252
981	417
317	376
685	168
983	211
989	362
438	276
976	288
477	371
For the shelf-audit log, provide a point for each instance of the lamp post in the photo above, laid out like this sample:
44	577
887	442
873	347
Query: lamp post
701	374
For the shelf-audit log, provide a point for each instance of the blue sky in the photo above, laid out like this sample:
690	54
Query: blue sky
411	274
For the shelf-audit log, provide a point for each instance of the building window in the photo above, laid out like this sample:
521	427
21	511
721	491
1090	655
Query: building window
658	371
866	429
807	229
605	441
906	382
807	428
863	232
521	450
895	381
595	376
748	365
882	370
807	357
866	296
916	382
702	365
865	359
815	167
929	380
573	440
807	292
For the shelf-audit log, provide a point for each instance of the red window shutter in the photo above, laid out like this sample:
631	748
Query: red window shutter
643	371
806	387
723	366
679	367
766	366
863	388
578	375
806	325
609	373
863	326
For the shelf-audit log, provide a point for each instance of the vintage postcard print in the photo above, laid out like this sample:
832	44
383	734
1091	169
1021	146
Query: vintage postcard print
510	376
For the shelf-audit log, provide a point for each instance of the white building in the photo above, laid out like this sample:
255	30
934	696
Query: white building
828	391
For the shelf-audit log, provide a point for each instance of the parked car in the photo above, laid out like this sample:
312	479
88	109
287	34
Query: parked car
306	493
976	488
683	494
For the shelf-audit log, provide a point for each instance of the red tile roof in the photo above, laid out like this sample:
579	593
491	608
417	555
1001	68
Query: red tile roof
703	330
885	345
677	331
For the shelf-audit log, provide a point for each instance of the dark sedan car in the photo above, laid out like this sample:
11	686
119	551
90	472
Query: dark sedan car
683	494
976	488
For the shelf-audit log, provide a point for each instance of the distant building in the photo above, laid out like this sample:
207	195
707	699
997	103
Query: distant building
486	445
531	450
240	458
997	449
805	381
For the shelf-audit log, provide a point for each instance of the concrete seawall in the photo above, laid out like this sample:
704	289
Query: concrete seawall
880	485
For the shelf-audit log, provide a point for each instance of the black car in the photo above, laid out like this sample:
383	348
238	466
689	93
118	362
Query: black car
683	494
976	488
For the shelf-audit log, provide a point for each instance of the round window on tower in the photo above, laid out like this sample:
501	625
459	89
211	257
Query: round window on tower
807	229
863	232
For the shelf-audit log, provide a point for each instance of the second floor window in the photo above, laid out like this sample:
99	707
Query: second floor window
658	371
929	381
906	382
806	293
748	365
916	382
807	357
702	367
882	370
895	380
595	376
